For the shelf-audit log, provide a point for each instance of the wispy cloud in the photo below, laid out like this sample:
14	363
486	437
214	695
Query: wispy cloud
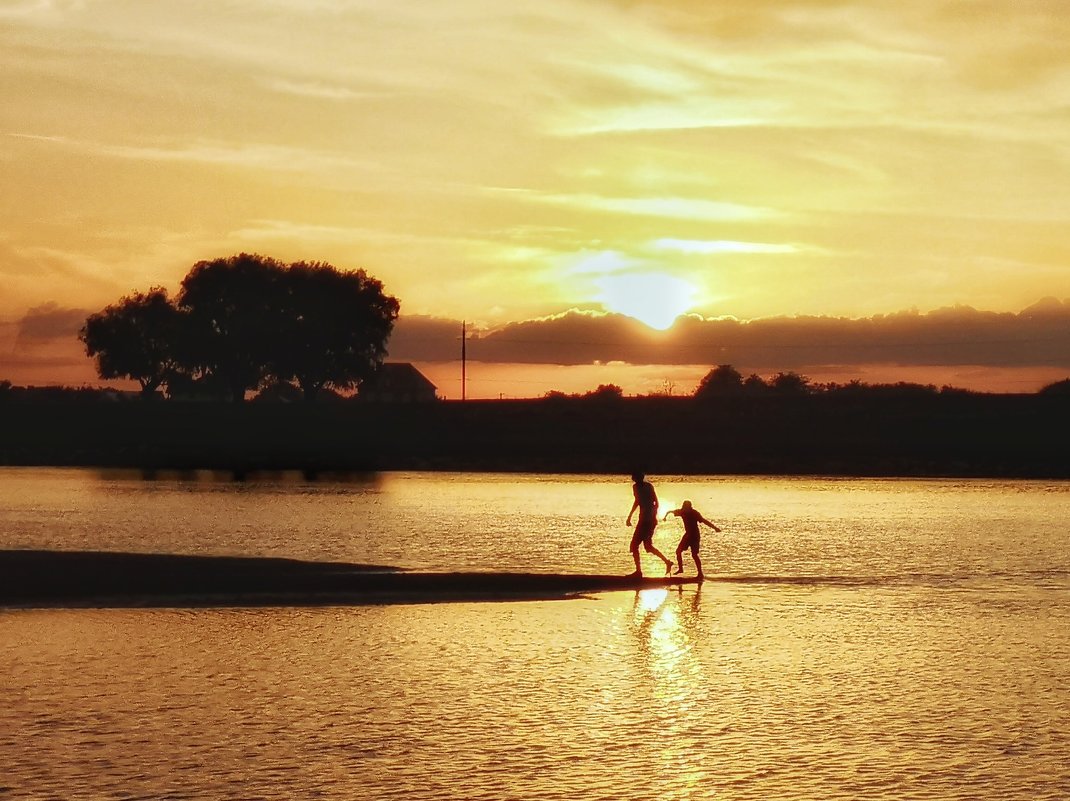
251	156
321	90
685	208
720	246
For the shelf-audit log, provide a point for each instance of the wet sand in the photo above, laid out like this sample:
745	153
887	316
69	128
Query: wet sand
32	579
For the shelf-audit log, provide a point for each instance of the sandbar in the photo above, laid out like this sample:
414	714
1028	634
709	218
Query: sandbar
99	579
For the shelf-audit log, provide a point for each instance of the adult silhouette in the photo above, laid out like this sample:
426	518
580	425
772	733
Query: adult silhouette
646	501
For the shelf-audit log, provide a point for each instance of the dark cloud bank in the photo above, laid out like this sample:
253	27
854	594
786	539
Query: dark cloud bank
48	323
1039	336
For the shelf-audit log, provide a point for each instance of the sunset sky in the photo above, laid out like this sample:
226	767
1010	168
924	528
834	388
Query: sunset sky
898	168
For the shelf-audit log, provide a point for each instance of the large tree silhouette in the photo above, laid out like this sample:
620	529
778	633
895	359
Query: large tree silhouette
333	325
135	338
234	321
243	320
253	319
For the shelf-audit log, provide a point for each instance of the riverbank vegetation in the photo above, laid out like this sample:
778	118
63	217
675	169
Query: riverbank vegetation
891	431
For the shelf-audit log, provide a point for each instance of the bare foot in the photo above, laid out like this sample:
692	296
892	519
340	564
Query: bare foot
679	570
635	574
668	568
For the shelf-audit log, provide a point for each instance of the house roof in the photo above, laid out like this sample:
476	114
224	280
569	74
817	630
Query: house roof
397	375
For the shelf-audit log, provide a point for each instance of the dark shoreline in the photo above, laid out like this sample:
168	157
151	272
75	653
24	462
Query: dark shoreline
94	579
934	435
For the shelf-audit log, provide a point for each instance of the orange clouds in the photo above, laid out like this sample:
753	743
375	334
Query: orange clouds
762	159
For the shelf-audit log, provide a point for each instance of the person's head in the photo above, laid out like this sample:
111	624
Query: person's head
638	477
685	505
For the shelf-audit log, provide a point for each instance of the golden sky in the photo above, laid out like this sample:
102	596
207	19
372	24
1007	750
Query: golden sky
499	161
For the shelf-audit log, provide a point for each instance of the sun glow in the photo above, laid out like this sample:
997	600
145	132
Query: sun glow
654	299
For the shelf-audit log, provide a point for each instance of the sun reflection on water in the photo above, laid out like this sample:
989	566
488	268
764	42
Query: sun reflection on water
666	630
666	625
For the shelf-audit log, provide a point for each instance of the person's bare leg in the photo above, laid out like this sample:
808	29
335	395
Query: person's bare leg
638	568
698	563
651	549
680	559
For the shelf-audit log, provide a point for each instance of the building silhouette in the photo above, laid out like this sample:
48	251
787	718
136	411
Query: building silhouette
397	382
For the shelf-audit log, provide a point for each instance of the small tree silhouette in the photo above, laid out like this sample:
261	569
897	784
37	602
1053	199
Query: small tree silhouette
722	380
135	338
1056	388
754	384
605	392
790	383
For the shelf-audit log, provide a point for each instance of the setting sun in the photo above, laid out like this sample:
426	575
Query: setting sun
654	299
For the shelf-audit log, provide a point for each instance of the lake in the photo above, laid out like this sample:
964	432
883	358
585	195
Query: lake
883	639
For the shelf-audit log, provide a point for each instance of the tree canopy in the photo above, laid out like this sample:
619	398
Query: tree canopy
135	338
723	379
1057	388
790	383
333	327
243	321
233	307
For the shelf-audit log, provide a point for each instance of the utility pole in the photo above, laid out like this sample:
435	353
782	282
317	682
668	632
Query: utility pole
464	359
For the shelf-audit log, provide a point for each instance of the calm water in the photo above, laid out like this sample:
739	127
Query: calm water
861	639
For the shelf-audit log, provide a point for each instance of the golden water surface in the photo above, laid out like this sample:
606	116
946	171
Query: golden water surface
858	639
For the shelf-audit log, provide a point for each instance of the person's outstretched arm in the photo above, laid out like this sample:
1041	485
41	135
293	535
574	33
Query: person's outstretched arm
708	523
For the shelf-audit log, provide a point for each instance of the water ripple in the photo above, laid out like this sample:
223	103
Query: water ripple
885	640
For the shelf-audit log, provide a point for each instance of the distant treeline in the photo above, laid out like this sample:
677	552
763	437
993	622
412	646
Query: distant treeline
834	432
720	383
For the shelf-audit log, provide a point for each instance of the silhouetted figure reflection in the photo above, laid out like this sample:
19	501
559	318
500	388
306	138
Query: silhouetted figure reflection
691	539
646	501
